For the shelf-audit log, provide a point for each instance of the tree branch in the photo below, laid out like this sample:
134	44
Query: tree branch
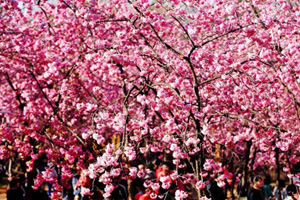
184	29
18	96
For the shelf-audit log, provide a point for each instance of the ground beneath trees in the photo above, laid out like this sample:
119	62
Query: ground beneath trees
3	188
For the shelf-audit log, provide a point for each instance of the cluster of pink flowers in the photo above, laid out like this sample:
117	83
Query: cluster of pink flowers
99	85
180	195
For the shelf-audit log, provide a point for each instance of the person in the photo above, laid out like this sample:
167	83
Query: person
280	190
150	171
22	181
291	193
120	192
256	193
2	169
267	187
52	174
215	192
40	194
165	170
147	194
14	192
76	189
138	188
170	194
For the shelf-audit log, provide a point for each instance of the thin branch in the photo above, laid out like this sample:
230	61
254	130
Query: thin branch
231	116
86	90
44	94
112	20
163	42
69	6
216	77
297	104
175	90
55	110
257	16
157	35
184	29
219	36
127	96
18	96
195	81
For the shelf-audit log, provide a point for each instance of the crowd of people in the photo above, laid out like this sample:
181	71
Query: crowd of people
136	189
20	187
147	185
260	189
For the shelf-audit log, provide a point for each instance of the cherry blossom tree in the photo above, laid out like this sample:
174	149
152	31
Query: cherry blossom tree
211	85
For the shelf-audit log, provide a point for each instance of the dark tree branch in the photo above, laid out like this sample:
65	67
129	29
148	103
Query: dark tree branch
184	29
18	96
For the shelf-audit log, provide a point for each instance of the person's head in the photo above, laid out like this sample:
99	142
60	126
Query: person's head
291	190
166	167
138	184
15	183
149	167
117	179
258	182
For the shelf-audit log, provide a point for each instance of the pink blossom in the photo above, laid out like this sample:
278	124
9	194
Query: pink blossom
221	184
181	166
105	178
106	195
203	174
155	187
133	171
174	147
143	149
115	172
200	185
207	166
95	85
174	175
147	184
85	191
38	181
167	139
141	174
130	153
109	188
85	136
99	138
55	195
164	179
153	195
166	185
180	195
184	155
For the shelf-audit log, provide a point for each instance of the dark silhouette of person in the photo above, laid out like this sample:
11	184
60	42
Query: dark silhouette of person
40	194
291	192
14	192
267	187
170	194
216	192
256	193
120	191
